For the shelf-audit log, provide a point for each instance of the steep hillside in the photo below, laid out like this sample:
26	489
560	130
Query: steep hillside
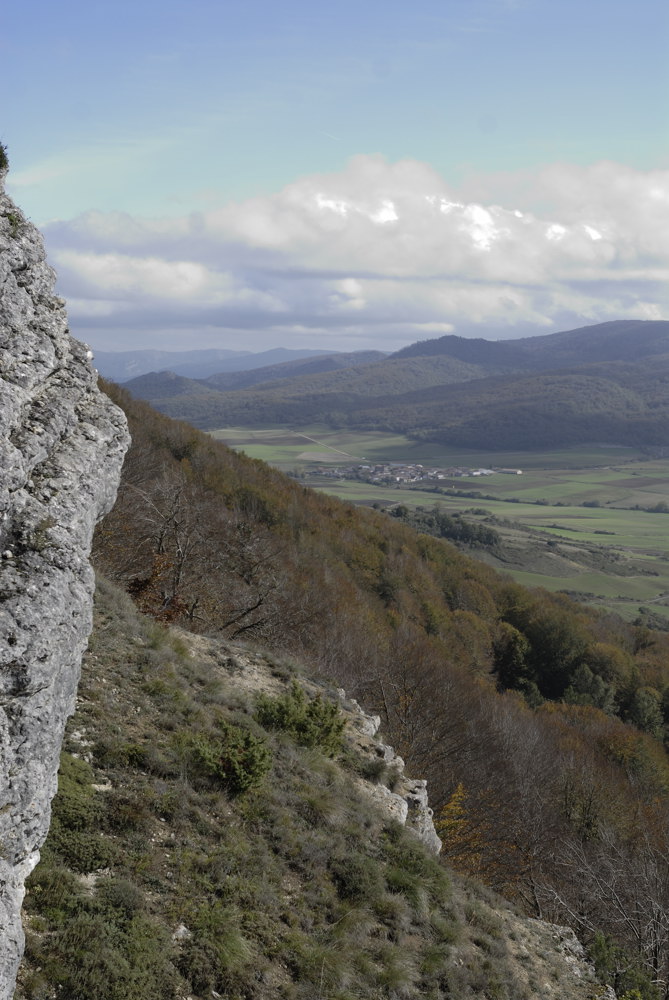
538	724
225	826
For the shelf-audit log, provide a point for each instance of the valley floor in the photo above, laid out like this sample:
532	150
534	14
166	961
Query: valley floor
593	521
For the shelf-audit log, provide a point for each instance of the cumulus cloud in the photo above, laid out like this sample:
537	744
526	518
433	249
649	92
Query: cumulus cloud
379	254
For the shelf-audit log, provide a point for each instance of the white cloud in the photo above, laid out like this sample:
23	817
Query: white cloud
390	244
148	277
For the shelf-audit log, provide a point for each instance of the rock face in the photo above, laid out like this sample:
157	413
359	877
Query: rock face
407	800
61	447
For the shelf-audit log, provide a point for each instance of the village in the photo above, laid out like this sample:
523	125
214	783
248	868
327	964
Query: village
391	473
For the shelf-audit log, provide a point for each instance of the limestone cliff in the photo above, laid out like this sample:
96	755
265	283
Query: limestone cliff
61	447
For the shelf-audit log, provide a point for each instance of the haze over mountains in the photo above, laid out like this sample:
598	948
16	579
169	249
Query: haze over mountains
605	383
123	365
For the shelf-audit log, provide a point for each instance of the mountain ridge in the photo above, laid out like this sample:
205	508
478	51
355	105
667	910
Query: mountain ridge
123	365
459	397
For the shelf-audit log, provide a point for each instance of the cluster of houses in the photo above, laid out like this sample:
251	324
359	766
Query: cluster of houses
390	473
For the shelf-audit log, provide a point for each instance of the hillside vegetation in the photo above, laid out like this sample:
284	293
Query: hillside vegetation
539	724
218	832
606	383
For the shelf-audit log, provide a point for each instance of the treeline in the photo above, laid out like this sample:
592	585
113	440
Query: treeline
538	723
453	527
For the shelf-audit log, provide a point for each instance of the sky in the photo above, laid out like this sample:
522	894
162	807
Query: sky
249	175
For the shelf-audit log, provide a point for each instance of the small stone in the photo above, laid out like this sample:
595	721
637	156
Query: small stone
182	933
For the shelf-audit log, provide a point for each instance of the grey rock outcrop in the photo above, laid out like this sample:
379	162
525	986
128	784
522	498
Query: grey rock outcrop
406	800
61	447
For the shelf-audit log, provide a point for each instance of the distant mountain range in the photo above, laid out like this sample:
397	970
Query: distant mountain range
608	383
119	366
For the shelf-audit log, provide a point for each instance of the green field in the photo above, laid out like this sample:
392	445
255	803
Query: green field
285	449
614	554
619	558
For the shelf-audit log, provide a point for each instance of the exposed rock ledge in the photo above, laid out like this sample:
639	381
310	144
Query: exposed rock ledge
406	801
61	447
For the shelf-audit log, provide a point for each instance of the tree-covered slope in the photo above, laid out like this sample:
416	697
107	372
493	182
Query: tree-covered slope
618	340
166	383
613	403
303	398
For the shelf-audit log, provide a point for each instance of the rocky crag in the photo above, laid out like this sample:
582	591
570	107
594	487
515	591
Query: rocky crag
61	447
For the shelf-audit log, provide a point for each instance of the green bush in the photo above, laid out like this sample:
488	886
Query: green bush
313	723
4	162
76	806
53	891
373	769
232	758
127	810
93	957
76	815
356	877
82	850
119	898
614	965
412	867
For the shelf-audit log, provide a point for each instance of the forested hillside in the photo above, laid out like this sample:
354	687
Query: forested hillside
606	383
301	398
538	724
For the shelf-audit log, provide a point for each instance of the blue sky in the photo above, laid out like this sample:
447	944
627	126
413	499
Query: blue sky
280	173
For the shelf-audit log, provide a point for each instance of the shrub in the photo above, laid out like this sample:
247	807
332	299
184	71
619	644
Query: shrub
76	806
53	891
76	814
411	867
95	957
127	810
356	877
614	965
373	769
311	723
119	898
4	162
82	850
233	758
